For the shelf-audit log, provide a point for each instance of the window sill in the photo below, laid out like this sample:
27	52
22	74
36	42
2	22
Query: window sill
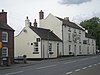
69	41
36	52
51	52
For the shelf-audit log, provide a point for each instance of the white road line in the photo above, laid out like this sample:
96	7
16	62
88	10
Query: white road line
95	64
90	66
46	67
13	73
77	70
69	72
69	62
84	68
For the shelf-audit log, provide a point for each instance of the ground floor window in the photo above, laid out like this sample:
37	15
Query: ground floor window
87	50
80	51
35	46
4	52
50	46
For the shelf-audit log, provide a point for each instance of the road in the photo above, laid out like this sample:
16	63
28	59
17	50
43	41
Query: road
89	65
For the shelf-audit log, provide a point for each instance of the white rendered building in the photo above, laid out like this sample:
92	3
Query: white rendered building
37	42
73	36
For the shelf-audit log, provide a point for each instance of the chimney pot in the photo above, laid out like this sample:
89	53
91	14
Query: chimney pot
27	17
35	23
2	10
41	15
66	18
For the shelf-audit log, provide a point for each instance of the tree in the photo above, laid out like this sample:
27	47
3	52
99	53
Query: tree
93	27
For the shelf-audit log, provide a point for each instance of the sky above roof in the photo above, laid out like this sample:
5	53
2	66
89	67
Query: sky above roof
76	10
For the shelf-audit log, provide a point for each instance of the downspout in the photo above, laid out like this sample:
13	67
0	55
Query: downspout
62	41
41	49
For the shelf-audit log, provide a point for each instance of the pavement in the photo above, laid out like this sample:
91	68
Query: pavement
34	62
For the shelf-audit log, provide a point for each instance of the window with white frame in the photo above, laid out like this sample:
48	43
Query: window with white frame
69	37
79	31
69	48
36	46
69	29
4	37
74	30
50	47
4	52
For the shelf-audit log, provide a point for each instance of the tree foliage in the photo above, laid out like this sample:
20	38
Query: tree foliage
93	27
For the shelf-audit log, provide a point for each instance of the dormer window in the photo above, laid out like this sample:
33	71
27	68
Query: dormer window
4	37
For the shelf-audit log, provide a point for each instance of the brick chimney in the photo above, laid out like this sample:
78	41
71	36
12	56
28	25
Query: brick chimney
3	17
35	23
41	15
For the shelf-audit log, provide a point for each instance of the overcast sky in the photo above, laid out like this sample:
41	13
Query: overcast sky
76	10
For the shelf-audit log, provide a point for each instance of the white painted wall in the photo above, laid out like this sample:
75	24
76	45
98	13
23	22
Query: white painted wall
51	22
45	51
23	44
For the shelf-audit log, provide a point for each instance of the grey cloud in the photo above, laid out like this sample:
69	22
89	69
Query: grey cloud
69	2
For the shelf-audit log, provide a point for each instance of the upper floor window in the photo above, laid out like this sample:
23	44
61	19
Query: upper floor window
74	30
4	52
79	31
69	37
69	29
4	37
88	42
92	42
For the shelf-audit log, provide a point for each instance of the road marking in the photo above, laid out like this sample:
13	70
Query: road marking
69	62
69	72
95	64
46	67
84	68
13	73
90	66
77	70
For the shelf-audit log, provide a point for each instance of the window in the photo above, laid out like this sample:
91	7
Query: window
38	39
36	46
87	50
88	42
79	31
4	37
50	46
69	34
69	48
80	52
74	30
69	29
4	52
92	43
